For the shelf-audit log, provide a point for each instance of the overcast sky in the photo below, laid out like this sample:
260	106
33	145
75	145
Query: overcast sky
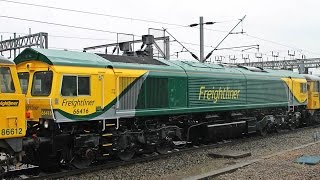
275	25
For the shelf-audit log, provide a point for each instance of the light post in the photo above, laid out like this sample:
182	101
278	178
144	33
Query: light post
259	57
275	55
232	59
246	58
201	23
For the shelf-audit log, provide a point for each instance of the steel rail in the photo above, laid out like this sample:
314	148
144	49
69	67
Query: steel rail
118	163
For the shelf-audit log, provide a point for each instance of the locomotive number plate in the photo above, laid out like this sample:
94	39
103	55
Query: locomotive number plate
11	131
46	113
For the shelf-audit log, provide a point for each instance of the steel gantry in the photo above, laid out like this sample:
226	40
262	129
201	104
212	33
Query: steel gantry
301	64
165	53
38	39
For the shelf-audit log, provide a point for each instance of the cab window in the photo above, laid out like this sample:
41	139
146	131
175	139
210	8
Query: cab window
83	85
42	83
6	82
75	85
303	87
24	80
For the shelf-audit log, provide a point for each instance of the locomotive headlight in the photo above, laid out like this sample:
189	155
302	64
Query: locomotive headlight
46	124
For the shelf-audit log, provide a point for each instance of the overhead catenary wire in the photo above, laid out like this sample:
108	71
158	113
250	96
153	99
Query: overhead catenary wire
111	16
193	44
86	28
142	20
104	39
98	39
188	43
240	20
270	41
280	44
61	36
192	54
62	25
237	47
57	24
71	37
232	49
92	13
72	26
135	19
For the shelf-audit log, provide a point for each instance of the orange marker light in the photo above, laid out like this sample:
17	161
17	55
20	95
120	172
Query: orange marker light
28	114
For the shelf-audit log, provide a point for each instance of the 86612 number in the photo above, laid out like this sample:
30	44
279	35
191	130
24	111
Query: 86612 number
11	131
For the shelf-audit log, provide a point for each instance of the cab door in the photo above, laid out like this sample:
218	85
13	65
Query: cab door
12	104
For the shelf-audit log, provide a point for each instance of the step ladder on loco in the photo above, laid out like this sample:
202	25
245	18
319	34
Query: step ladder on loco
107	135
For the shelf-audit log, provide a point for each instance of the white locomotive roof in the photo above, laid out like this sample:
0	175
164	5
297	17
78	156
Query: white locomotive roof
311	77
4	60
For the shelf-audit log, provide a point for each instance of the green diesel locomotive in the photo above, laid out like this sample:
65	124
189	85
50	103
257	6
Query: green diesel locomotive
87	106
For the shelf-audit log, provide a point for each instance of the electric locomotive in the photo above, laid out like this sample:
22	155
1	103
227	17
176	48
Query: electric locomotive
84	107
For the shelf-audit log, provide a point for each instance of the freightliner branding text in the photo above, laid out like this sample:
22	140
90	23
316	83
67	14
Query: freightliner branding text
221	93
9	103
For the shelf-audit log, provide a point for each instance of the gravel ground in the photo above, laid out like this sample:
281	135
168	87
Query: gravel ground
197	162
279	167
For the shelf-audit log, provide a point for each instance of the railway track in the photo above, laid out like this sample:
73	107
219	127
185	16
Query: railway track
34	173
113	164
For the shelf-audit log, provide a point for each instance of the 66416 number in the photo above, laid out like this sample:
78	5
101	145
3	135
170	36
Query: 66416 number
81	111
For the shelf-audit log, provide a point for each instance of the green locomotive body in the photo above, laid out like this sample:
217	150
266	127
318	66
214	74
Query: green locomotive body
93	106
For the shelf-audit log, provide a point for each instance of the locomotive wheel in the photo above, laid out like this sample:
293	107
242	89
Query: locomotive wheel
80	163
292	126
2	173
277	129
263	132
126	154
67	155
6	160
163	148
